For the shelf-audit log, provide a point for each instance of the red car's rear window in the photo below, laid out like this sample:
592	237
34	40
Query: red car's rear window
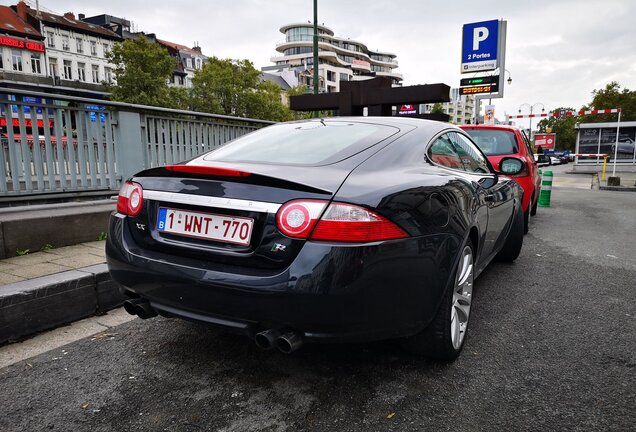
494	142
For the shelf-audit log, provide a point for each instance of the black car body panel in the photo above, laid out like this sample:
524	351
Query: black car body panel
323	290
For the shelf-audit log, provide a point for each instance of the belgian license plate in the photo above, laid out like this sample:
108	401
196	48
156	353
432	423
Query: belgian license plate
228	229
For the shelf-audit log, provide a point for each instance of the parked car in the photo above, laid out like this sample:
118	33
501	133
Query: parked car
542	159
499	142
344	229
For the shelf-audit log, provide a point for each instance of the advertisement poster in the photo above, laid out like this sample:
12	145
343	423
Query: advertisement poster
603	141
545	141
489	114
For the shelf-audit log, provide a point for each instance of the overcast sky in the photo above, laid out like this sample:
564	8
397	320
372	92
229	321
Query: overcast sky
558	51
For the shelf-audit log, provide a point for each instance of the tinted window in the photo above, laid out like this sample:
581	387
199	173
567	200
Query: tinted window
469	154
318	142
443	153
494	142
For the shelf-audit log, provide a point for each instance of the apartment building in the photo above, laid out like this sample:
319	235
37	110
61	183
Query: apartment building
340	59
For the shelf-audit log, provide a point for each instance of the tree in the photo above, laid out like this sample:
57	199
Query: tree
612	97
563	127
142	70
437	108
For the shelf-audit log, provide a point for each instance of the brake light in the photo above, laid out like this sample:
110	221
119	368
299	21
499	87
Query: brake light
341	222
130	199
206	170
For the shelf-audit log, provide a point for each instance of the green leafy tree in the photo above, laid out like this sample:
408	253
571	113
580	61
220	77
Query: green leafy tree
142	70
612	97
437	108
563	127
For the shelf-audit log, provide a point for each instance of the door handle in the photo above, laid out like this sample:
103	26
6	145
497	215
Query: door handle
490	198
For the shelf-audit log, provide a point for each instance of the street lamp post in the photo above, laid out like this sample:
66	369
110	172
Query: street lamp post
531	109
315	41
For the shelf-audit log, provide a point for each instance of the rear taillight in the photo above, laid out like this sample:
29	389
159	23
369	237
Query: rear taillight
130	199
341	222
297	218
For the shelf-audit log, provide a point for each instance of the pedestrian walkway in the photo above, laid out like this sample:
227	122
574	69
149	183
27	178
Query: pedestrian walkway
32	265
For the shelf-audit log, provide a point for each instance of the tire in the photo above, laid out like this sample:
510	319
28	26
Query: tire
526	221
533	209
512	247
445	336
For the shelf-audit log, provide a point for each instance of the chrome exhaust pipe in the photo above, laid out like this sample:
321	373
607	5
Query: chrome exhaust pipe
289	342
140	307
266	340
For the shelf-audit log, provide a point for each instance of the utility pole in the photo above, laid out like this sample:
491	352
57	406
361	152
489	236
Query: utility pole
316	78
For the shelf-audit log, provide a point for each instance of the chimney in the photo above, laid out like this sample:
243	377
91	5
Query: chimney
197	49
81	17
22	10
70	16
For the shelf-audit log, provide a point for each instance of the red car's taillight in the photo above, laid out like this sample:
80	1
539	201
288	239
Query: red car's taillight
130	199
340	223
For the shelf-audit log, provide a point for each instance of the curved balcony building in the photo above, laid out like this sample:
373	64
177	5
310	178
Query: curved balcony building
340	59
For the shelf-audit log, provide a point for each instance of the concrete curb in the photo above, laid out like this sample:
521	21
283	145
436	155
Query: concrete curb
34	305
619	188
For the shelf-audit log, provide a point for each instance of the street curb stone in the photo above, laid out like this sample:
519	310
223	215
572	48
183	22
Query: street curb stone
34	305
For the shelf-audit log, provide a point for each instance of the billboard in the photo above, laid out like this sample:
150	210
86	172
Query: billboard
407	109
489	114
545	141
480	46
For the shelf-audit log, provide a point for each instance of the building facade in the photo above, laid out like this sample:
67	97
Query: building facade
22	49
461	108
340	59
189	60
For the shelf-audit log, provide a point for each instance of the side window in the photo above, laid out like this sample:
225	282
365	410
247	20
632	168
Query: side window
527	141
443	153
471	158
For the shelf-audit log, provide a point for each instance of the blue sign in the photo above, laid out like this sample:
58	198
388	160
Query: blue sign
480	42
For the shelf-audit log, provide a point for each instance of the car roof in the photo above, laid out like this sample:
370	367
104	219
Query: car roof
494	127
430	126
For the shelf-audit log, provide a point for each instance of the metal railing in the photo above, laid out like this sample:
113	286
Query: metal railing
54	143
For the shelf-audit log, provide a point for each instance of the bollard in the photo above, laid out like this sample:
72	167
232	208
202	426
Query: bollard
546	189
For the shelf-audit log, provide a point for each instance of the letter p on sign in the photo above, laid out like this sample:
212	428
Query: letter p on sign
480	34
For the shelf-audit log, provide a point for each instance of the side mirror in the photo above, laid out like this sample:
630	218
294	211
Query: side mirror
511	166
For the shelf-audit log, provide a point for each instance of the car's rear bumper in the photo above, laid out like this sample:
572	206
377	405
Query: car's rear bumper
329	292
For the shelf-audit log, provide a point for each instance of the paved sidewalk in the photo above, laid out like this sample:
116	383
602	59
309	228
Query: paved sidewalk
49	288
51	261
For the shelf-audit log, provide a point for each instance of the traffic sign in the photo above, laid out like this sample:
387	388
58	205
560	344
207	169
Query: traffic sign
480	44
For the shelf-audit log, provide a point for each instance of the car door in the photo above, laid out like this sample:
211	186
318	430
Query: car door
495	191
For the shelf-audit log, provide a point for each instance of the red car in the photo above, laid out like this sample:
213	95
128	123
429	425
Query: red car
497	142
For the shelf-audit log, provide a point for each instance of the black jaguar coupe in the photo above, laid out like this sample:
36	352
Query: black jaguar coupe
343	229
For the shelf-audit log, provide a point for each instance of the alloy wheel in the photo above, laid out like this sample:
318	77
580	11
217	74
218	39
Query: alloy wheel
462	298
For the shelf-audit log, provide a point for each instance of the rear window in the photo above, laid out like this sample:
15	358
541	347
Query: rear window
494	142
317	142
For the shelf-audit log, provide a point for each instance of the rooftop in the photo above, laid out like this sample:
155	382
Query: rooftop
10	22
69	22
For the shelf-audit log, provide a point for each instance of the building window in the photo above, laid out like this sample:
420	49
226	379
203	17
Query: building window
68	72
95	73
36	65
344	77
1	58
108	74
106	49
16	56
189	63
53	67
197	63
93	48
80	45
81	71
50	40
65	43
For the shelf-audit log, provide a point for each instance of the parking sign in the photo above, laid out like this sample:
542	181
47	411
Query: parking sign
480	44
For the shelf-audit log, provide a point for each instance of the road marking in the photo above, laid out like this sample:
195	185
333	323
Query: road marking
19	351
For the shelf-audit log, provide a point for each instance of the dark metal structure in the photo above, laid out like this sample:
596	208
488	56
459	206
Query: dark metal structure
377	94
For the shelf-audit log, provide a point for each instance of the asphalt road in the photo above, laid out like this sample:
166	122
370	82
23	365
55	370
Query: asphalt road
552	347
